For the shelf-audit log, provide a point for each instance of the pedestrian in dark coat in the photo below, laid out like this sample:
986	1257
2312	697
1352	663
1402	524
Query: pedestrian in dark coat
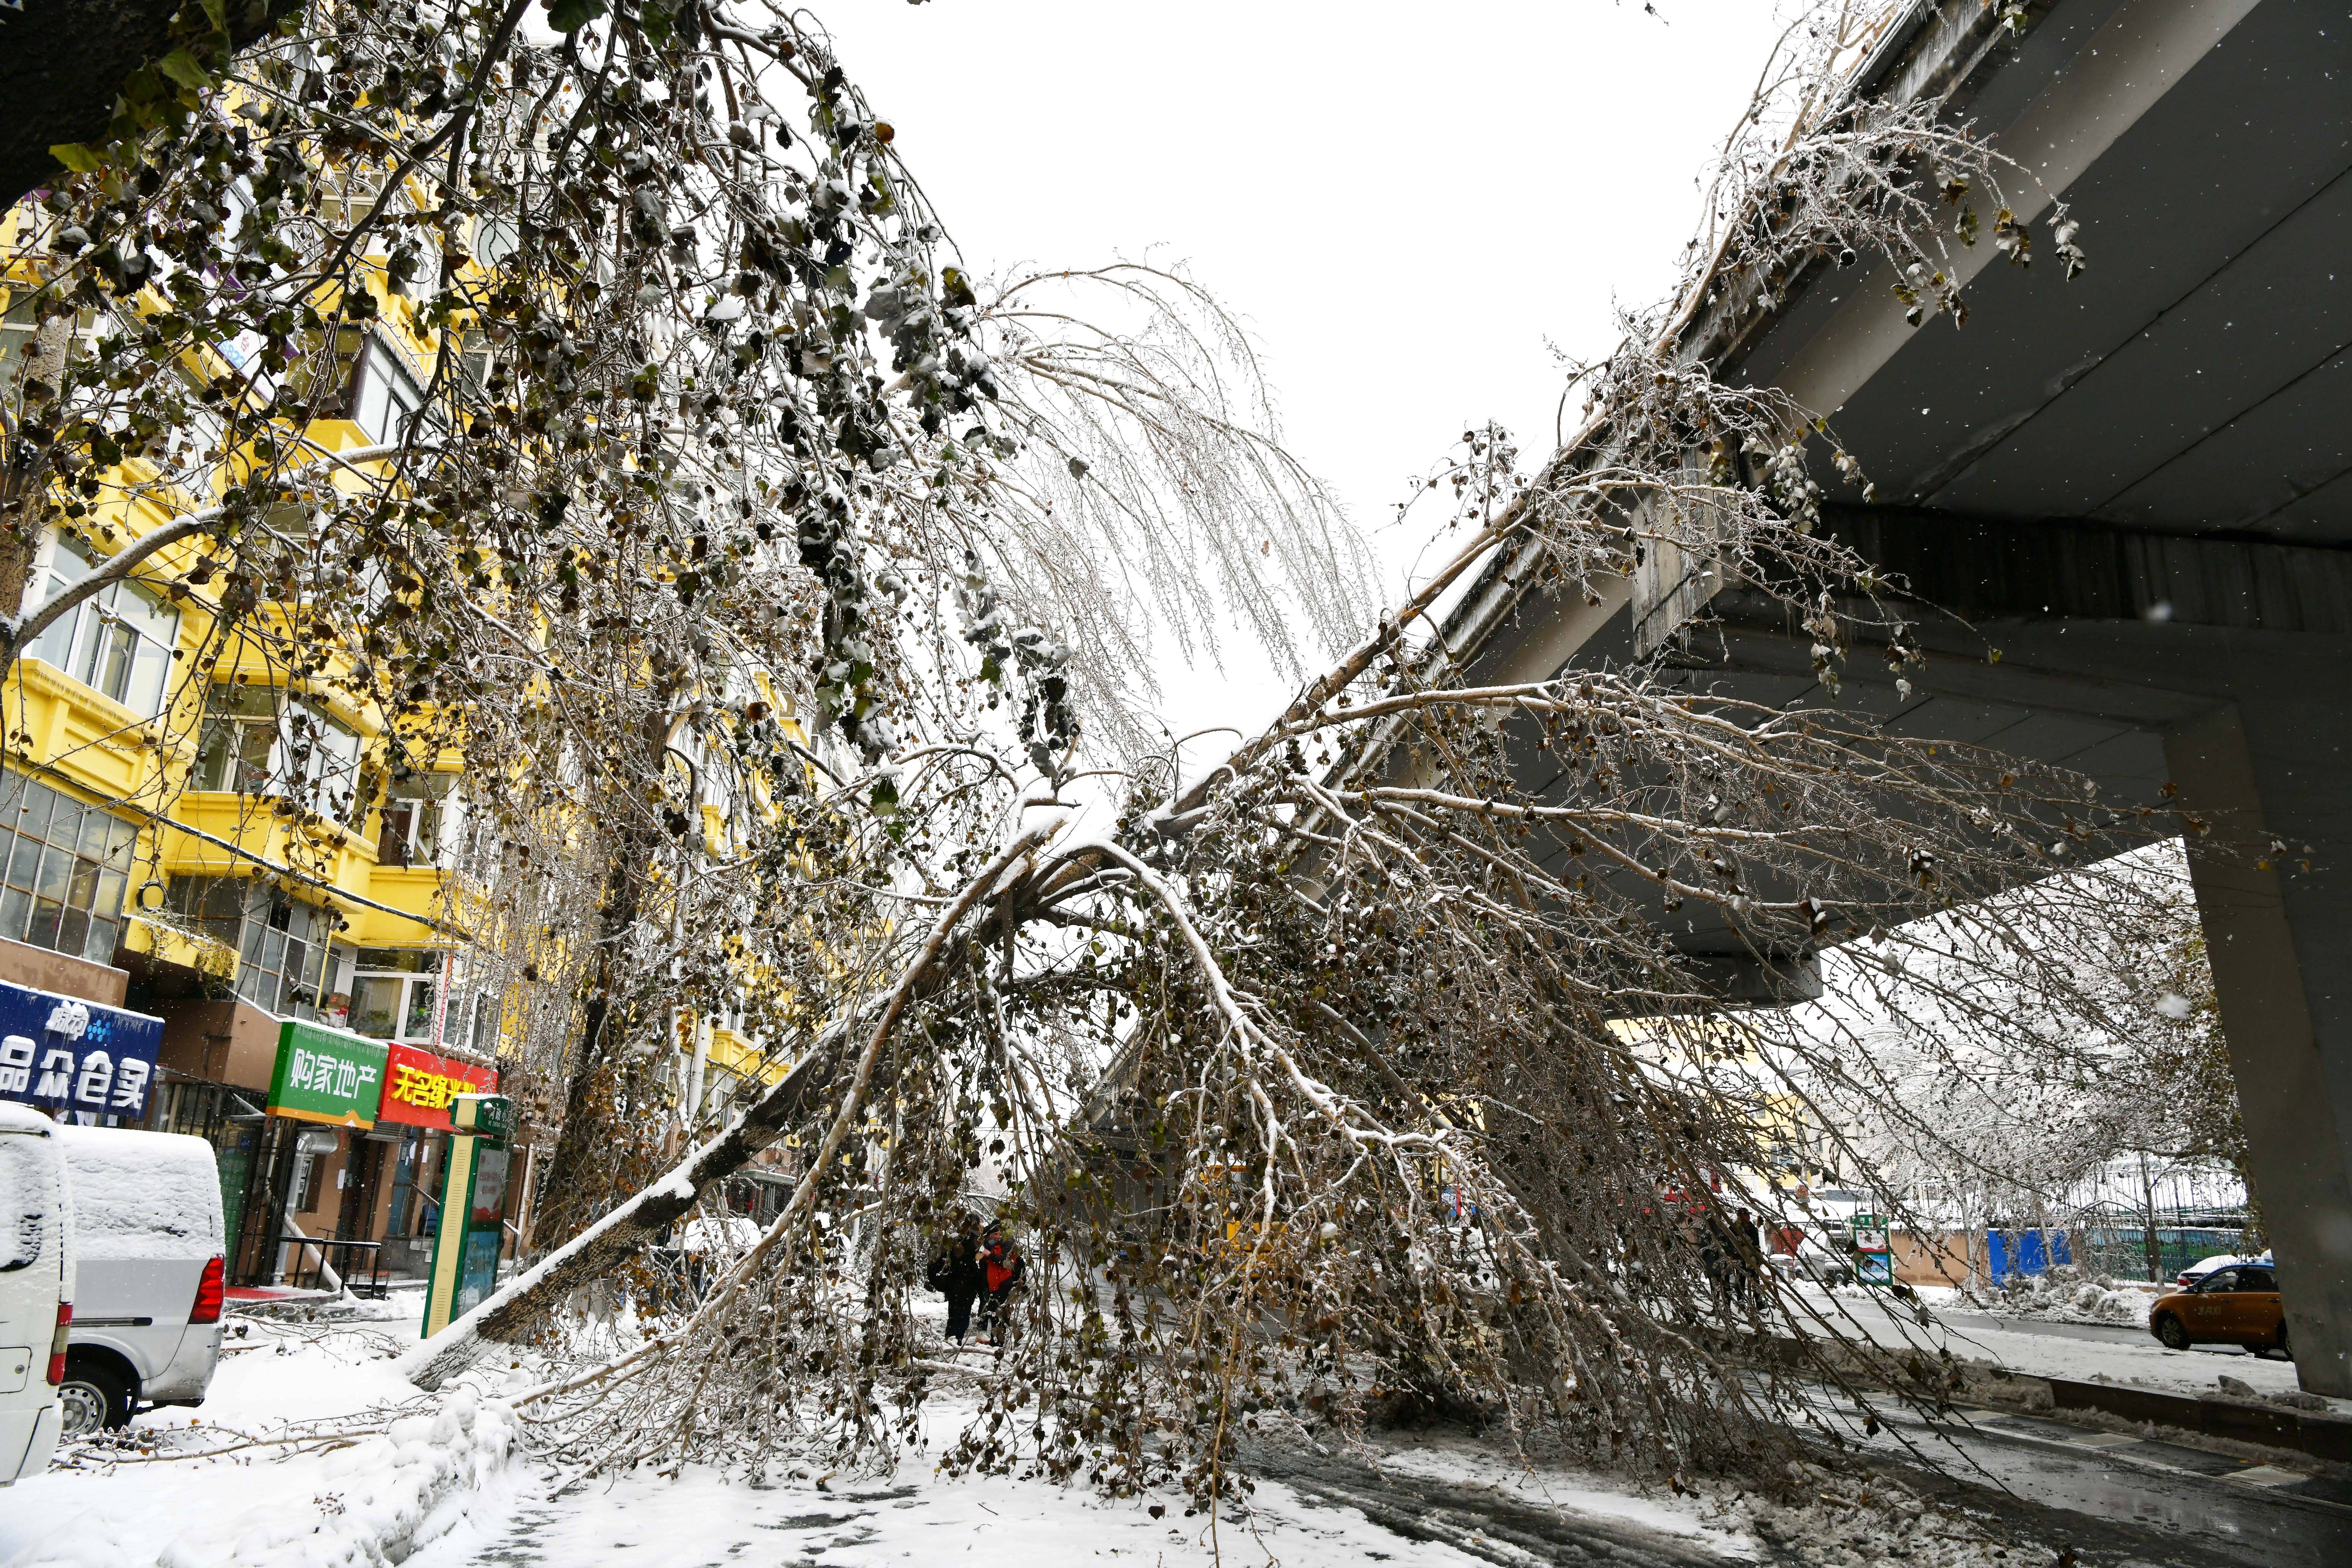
1747	1258
956	1274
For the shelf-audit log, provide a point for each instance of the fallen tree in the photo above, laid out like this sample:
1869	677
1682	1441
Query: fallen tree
786	594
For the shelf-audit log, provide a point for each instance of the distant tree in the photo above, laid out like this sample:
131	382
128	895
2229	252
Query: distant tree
2122	1069
2185	1082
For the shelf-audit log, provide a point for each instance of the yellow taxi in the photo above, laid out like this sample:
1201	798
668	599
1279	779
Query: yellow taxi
2237	1305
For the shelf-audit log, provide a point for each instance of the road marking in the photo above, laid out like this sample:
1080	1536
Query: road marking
2104	1440
2266	1476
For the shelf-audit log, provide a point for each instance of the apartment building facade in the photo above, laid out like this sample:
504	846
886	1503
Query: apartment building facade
191	831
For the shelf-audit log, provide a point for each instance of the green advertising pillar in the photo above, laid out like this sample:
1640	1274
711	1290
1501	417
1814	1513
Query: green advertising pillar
1873	1259
473	1208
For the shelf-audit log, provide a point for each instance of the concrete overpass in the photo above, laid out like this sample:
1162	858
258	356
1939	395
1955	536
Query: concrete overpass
2137	486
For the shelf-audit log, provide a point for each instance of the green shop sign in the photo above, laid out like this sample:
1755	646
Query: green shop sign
324	1075
491	1115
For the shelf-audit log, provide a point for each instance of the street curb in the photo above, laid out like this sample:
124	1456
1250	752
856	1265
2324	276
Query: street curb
2323	1436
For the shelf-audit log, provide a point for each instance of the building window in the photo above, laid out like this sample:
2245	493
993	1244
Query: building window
18	326
213	907
392	993
238	738
282	966
494	240
474	361
119	641
193	445
386	403
280	945
67	865
258	740
415	814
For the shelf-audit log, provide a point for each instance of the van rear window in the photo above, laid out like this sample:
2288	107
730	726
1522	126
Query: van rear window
29	1200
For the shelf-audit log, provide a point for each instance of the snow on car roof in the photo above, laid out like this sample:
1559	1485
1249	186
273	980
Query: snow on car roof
141	1194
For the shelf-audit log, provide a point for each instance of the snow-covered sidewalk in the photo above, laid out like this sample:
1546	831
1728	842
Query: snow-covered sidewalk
917	1516
333	1377
371	1461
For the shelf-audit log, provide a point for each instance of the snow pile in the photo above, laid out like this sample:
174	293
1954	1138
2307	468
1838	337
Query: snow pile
2071	1295
385	1496
1829	1518
142	1196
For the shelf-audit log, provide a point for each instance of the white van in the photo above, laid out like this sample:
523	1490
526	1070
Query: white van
35	1288
148	1274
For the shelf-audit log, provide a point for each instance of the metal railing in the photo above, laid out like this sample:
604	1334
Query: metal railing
360	1267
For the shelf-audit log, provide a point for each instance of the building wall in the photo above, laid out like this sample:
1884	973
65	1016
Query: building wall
22	964
137	767
222	1040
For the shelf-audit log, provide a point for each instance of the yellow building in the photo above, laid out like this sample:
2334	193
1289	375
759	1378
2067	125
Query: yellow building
148	857
191	830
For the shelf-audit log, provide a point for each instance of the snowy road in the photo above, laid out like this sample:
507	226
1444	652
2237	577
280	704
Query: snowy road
2117	1498
2045	1348
1436	1503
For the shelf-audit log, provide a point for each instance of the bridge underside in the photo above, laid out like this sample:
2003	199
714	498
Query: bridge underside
2138	488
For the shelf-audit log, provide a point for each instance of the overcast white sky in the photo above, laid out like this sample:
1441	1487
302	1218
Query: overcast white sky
1403	202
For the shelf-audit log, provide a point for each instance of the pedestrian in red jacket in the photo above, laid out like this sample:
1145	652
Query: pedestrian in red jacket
1000	1265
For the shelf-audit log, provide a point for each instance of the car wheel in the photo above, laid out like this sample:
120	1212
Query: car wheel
96	1398
2168	1329
2281	1347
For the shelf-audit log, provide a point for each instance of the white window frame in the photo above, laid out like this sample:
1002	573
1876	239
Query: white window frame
72	643
386	403
440	795
410	982
313	754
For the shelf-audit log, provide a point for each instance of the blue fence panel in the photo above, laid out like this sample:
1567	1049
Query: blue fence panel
2014	1252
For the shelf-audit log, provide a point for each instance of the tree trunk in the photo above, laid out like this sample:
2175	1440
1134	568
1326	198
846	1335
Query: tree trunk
593	1253
580	1142
570	1193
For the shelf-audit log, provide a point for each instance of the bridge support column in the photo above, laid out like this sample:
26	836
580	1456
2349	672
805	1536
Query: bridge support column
2281	956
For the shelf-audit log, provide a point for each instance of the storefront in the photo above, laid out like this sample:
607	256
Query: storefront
417	1094
344	1168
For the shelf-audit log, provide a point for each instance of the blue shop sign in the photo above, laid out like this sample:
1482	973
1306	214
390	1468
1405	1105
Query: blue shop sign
64	1052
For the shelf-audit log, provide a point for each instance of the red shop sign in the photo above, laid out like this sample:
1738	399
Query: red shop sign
418	1086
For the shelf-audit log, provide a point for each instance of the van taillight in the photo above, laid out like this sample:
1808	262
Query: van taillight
207	1308
57	1345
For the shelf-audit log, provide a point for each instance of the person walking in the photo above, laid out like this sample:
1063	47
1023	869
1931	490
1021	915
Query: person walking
1001	1265
956	1274
1712	1242
1747	1259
